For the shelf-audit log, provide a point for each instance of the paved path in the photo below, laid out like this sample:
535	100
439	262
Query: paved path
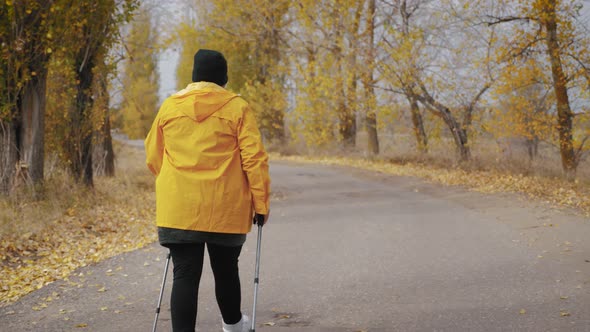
348	250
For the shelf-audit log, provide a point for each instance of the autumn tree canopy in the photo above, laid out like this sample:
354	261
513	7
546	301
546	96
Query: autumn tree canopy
328	73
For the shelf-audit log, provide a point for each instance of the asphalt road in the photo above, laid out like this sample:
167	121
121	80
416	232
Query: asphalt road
349	250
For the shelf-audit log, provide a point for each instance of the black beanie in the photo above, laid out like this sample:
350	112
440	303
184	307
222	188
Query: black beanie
210	66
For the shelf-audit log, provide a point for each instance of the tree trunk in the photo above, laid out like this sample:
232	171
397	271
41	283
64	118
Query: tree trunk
421	138
532	146
457	131
270	41
103	155
564	112
8	155
102	152
346	125
81	156
459	134
345	116
349	130
107	146
370	114
32	130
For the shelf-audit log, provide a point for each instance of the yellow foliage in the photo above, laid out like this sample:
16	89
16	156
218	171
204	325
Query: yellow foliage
140	79
524	98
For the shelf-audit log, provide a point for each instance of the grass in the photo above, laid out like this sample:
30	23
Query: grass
489	170
46	235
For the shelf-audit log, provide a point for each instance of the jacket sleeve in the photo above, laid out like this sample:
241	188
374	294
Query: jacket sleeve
154	146
254	161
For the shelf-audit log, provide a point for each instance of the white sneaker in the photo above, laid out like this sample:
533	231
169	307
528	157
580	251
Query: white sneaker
242	326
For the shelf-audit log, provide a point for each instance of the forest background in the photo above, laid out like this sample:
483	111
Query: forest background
492	95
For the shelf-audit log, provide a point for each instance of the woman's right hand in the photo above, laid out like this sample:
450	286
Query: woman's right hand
260	219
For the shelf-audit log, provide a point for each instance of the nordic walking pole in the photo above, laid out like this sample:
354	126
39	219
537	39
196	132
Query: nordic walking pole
256	280
161	292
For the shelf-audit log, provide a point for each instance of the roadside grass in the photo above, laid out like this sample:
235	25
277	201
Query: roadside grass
491	178
45	236
495	165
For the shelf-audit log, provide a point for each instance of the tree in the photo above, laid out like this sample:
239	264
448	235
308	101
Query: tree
103	155
402	49
140	77
369	81
553	31
249	34
446	63
25	35
92	30
326	49
523	98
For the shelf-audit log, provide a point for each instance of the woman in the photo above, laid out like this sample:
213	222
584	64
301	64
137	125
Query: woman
211	178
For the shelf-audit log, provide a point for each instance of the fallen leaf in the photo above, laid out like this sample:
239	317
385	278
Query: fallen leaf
564	314
522	311
564	297
82	325
269	324
102	290
104	308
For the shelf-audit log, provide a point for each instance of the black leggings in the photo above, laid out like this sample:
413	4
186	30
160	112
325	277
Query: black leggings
188	264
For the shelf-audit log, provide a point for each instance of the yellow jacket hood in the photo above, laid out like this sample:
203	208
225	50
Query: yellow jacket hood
206	98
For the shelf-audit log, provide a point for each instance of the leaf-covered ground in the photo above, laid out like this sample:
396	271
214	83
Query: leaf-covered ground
556	191
75	230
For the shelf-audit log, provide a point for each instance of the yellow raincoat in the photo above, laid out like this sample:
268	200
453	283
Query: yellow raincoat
211	167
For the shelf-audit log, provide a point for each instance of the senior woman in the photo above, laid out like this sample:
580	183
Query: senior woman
211	180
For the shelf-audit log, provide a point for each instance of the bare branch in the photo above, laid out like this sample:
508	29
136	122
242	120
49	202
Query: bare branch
498	20
583	65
